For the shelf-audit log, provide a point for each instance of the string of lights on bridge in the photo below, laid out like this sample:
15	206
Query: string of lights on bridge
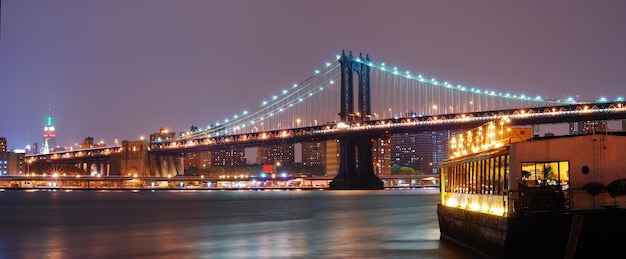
279	103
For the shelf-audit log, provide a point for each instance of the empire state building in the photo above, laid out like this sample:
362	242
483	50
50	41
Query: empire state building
49	135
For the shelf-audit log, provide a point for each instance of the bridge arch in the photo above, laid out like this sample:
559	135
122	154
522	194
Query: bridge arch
132	170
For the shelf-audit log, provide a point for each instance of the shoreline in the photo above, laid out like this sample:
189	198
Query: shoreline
194	189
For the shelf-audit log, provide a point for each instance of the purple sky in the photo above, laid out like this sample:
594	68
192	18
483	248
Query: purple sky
124	68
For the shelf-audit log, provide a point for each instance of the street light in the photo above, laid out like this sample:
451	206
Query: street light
278	164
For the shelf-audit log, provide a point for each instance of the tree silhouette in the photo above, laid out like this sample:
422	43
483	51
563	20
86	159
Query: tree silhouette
616	188
593	189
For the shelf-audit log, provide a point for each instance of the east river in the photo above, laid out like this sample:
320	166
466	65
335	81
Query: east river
223	224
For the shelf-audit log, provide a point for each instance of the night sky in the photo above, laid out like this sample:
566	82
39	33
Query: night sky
122	69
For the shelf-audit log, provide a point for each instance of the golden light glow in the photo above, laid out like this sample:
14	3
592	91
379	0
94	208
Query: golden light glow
452	203
489	204
486	136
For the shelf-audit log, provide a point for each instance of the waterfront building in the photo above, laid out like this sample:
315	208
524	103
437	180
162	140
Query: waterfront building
411	150
314	156
199	159
3	145
233	156
382	156
11	161
422	151
4	157
326	154
587	127
271	154
314	153
332	157
503	189
441	148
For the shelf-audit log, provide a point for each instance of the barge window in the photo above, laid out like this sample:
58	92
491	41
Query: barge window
470	178
497	178
490	175
536	174
462	178
506	171
484	176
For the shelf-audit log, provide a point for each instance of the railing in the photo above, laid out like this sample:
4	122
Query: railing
542	198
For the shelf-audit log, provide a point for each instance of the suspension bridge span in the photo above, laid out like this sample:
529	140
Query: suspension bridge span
356	100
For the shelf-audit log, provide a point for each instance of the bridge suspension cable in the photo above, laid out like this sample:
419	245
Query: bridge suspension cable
315	101
311	102
402	94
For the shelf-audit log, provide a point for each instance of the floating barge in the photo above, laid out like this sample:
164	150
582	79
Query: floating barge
507	194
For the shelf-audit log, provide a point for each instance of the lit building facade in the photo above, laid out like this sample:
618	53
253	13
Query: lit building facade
314	153
199	159
162	135
332	157
422	151
89	143
32	149
441	149
234	156
587	127
11	163
382	156
4	157
276	153
3	145
49	135
326	155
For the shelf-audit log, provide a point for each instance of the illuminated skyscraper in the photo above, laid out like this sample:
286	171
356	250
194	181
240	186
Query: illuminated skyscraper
49	135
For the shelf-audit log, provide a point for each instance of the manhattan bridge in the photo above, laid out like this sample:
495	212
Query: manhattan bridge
356	100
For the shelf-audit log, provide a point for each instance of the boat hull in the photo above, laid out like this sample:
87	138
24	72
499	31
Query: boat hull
595	234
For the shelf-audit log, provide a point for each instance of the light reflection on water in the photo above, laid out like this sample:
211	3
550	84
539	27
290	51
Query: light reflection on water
230	224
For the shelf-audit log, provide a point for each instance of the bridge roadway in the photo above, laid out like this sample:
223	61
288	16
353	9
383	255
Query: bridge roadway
165	158
376	128
197	182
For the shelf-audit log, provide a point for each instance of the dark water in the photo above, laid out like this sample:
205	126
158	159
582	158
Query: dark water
223	224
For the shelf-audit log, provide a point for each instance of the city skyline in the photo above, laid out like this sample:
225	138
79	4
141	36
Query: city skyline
124	69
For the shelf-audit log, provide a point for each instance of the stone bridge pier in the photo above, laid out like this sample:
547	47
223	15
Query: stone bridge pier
135	159
164	166
356	167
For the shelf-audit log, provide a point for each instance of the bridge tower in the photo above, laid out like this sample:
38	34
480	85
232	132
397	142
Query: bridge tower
348	67
356	167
